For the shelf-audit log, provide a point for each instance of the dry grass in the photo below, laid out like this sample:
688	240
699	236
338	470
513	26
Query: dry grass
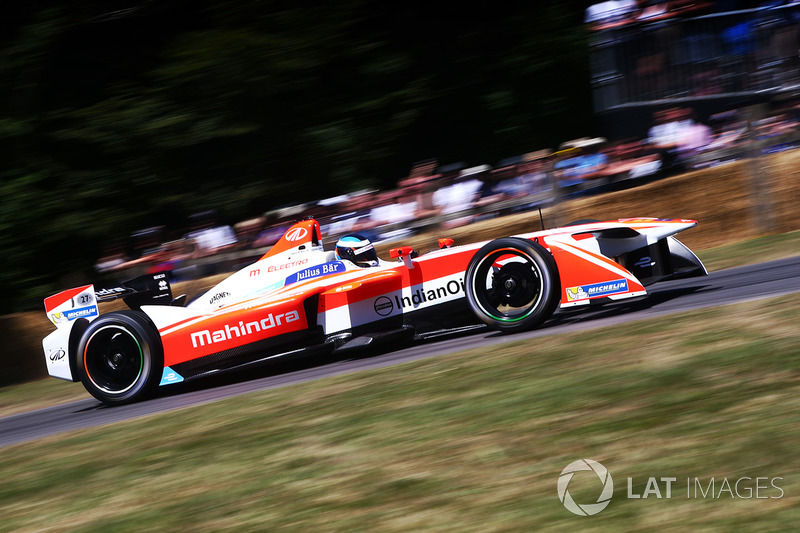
464	442
720	198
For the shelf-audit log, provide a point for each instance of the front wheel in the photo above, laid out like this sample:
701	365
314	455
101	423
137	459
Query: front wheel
119	357
512	284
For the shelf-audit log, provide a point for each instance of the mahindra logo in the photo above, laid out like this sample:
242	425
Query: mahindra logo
112	290
228	332
296	234
57	355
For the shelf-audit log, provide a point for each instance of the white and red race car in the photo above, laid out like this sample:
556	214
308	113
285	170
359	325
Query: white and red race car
299	297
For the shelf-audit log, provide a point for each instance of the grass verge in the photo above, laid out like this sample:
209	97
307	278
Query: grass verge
16	399
759	250
473	441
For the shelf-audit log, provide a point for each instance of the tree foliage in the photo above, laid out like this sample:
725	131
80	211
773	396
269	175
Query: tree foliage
126	114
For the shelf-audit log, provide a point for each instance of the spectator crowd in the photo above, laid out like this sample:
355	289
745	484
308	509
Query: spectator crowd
611	14
670	61
445	196
645	51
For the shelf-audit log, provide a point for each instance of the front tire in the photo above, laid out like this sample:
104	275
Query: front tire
119	357
512	284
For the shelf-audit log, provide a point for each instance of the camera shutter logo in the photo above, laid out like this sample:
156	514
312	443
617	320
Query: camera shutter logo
586	509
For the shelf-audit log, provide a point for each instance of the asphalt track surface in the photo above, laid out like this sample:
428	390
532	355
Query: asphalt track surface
723	287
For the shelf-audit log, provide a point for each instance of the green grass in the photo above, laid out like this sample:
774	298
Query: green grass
466	442
15	399
758	250
473	441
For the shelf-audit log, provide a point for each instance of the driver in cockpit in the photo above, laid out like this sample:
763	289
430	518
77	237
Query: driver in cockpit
358	250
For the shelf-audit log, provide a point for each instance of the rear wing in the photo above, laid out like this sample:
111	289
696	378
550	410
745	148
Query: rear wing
81	302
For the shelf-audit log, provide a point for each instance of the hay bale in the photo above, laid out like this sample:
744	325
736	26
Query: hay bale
22	358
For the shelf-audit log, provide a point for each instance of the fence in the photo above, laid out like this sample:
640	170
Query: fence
736	54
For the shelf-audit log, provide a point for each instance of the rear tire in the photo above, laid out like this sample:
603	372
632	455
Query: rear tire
119	357
517	294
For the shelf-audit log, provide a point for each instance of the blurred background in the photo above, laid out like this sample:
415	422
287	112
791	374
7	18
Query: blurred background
141	136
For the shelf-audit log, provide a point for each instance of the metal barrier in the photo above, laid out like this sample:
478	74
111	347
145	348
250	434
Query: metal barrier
741	53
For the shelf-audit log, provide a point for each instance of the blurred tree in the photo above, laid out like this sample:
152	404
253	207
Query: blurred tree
126	114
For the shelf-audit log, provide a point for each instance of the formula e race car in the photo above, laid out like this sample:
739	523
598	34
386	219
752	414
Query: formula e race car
299	297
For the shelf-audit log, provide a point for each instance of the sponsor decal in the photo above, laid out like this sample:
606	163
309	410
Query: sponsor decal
273	268
324	269
218	297
597	289
204	337
296	234
423	295
83	299
170	376
82	312
383	306
57	318
367	248
342	288
110	292
58	355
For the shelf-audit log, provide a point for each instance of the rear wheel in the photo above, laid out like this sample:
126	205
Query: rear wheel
512	284
120	357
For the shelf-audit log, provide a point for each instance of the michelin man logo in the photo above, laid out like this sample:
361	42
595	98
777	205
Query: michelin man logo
586	509
576	293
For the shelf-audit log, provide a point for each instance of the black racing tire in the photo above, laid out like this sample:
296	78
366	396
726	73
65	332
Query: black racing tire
120	358
519	295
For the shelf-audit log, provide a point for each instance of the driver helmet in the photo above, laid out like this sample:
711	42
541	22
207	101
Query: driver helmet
358	249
